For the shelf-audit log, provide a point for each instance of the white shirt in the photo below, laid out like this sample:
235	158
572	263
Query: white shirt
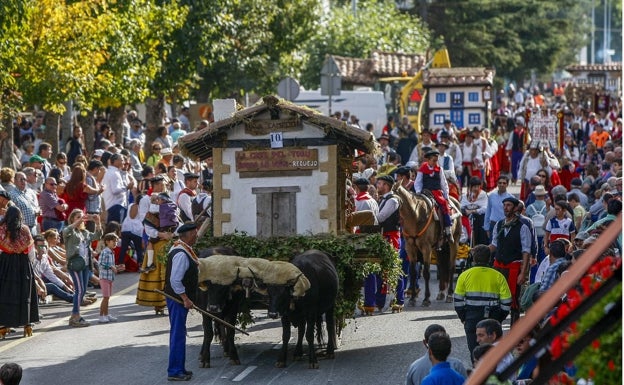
185	205
467	153
481	202
134	225
418	184
116	191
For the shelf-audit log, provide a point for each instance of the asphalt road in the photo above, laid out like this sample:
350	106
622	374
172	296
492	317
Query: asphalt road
373	349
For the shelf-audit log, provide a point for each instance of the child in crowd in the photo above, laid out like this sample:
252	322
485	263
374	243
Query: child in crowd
163	216
107	275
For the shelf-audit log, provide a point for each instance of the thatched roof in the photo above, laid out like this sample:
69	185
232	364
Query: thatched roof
459	76
200	143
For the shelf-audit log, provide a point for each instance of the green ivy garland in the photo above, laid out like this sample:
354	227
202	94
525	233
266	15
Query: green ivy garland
355	256
602	360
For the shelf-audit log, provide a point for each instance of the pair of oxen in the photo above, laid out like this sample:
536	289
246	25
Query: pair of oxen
301	291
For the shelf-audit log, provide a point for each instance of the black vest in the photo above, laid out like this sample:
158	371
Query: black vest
432	181
517	141
508	247
392	222
190	279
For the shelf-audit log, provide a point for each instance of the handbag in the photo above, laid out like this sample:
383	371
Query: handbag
60	215
76	263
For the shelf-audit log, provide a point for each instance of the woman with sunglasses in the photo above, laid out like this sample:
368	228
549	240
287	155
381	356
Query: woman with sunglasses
153	159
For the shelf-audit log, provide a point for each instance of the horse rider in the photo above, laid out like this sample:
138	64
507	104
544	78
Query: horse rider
431	177
512	239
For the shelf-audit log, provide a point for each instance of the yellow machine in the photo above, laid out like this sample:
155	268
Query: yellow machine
407	94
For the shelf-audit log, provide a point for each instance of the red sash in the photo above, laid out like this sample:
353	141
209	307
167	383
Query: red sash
512	279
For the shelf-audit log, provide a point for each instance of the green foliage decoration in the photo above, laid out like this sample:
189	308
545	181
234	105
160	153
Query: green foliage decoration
355	256
601	360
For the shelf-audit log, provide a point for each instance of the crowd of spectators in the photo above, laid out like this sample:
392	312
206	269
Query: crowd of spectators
68	201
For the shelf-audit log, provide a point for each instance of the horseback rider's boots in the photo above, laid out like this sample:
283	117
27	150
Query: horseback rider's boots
448	233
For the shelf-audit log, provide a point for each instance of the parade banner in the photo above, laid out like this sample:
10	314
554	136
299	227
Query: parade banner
545	128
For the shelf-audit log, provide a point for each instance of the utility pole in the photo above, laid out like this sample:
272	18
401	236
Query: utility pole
593	32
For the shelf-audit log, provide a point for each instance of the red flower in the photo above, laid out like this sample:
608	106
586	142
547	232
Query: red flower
591	373
574	298
611	365
596	344
556	347
563	310
606	272
586	284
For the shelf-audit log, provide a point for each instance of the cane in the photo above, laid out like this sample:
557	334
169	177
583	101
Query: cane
204	312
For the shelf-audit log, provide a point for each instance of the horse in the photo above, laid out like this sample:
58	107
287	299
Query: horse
422	232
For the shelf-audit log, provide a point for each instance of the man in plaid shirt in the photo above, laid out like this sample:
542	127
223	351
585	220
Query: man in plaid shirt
26	200
557	257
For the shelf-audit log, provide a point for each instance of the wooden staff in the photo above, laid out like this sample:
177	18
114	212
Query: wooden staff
219	320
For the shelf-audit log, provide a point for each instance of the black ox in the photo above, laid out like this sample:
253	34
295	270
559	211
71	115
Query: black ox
306	312
224	302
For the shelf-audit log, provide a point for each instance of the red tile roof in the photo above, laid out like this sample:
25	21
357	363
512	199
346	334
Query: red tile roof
607	67
379	65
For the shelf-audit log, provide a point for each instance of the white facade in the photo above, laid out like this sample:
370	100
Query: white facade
464	106
242	204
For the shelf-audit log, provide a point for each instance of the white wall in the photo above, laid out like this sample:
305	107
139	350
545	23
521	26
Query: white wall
242	203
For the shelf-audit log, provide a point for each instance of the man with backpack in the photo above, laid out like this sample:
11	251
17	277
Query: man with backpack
537	212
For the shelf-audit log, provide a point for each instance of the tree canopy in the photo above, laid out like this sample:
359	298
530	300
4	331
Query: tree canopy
377	25
108	53
515	37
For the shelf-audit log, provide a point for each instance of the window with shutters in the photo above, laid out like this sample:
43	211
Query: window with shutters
276	210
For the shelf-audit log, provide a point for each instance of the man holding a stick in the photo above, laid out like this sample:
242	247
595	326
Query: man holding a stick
181	280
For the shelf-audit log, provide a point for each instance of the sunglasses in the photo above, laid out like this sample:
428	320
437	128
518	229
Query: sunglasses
157	149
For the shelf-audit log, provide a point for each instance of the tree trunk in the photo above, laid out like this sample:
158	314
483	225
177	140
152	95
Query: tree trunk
115	120
86	122
52	122
154	114
67	124
7	143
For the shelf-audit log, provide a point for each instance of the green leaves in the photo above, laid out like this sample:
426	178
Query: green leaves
355	256
513	37
377	25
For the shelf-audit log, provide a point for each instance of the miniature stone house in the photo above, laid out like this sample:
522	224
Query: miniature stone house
279	169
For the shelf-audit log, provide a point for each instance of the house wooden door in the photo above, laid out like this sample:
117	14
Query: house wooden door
276	211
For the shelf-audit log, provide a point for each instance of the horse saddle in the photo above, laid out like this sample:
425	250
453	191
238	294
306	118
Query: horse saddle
437	210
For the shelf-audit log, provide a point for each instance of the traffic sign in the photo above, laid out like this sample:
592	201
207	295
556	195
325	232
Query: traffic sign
331	85
288	88
330	67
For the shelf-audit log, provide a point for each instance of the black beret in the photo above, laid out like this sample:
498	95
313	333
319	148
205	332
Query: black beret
447	121
441	143
186	227
361	182
403	170
431	153
190	175
157	178
444	134
512	200
387	178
